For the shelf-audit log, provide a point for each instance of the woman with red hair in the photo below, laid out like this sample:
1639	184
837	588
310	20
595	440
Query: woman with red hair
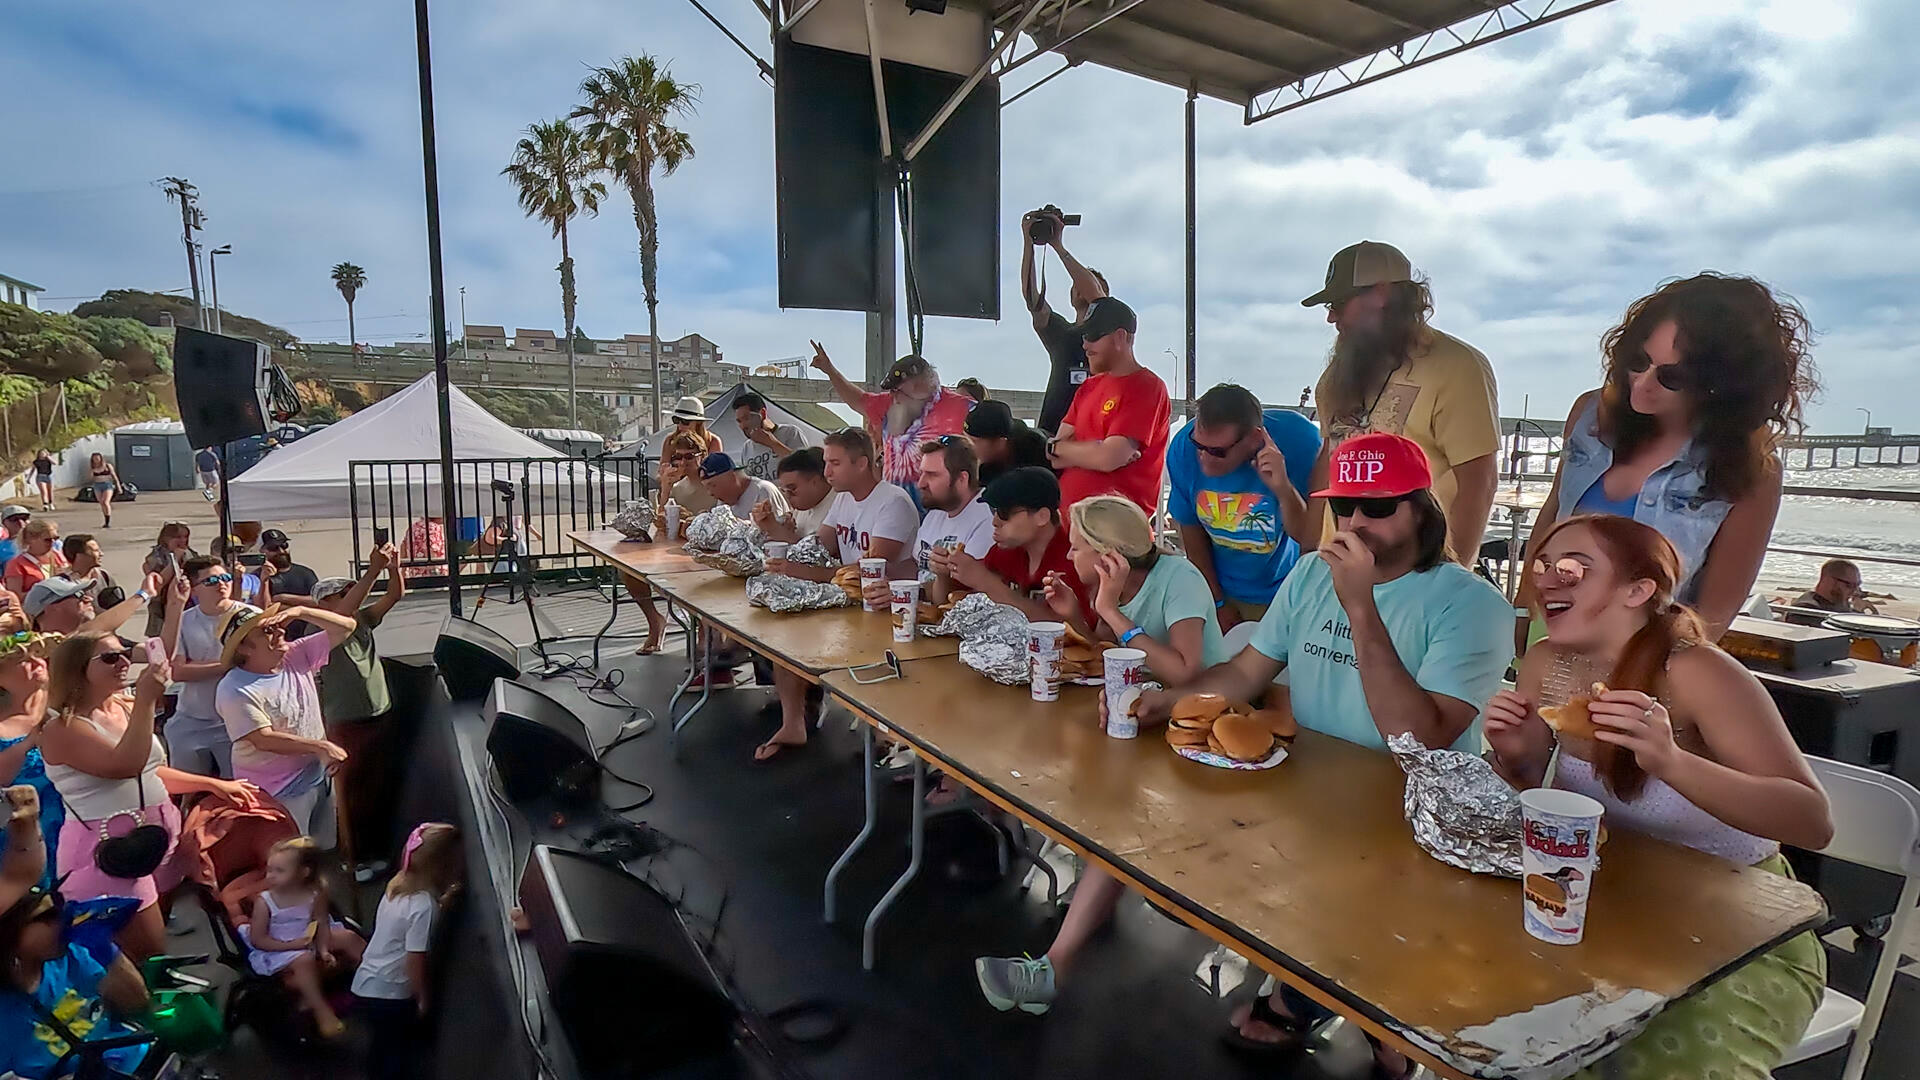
1683	744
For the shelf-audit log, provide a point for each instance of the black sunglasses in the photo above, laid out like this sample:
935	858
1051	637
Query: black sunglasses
1216	451
1376	509
118	656
954	440
1672	376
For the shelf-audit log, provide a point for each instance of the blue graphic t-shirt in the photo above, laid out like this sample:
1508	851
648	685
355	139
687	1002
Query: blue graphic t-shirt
1252	552
69	989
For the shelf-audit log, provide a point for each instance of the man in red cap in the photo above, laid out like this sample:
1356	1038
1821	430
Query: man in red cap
1380	632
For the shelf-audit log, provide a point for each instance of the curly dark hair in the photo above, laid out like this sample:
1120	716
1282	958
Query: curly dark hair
1744	354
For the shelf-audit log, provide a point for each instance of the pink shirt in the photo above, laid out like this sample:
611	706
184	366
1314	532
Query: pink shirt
286	701
945	414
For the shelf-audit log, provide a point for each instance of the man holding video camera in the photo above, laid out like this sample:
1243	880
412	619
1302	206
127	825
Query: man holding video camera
1043	228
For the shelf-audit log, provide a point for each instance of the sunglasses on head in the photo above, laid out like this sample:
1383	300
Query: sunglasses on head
1567	572
954	440
1376	509
1672	376
117	656
216	579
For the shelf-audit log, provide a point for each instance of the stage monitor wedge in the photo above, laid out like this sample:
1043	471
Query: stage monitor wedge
471	657
830	178
623	975
221	384
539	746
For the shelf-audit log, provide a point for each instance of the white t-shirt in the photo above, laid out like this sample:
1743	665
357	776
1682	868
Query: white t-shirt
757	492
200	641
404	924
972	526
886	513
761	461
288	701
807	522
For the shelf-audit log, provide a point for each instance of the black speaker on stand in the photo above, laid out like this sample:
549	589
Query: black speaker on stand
470	657
221	383
625	978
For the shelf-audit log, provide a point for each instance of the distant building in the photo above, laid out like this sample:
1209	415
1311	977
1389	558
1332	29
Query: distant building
535	340
481	337
24	293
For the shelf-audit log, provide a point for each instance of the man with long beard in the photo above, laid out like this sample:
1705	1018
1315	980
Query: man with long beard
911	408
1390	371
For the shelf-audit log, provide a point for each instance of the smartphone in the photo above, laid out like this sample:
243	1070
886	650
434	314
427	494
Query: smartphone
254	560
156	651
379	536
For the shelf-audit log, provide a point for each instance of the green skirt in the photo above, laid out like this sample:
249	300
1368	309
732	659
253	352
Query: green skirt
1737	1029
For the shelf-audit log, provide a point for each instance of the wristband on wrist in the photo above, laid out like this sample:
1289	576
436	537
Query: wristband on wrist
1220	603
1131	634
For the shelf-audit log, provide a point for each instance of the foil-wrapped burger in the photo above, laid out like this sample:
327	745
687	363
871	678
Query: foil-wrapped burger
1461	811
635	520
708	530
779	592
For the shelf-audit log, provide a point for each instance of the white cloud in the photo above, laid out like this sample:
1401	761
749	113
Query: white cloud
1542	182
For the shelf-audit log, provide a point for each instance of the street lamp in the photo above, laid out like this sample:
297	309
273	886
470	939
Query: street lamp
213	273
1856	408
463	322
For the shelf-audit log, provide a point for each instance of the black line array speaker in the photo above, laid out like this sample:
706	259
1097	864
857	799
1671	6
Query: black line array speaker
623	975
830	175
221	383
538	746
470	657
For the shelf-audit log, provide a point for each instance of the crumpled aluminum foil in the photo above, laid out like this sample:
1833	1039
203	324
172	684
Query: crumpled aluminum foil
809	551
779	592
1461	811
635	520
738	555
708	530
976	613
1000	660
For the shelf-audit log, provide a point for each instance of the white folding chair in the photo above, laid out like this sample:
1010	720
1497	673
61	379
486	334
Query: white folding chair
1876	823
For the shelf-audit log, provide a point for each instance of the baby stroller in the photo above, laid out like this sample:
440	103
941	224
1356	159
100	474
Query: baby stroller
229	873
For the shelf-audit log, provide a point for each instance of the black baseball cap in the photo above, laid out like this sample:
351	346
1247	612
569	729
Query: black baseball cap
1029	487
903	369
991	419
1104	316
274	538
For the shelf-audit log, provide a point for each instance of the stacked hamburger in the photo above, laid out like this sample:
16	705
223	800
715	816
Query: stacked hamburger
1240	732
1080	658
848	578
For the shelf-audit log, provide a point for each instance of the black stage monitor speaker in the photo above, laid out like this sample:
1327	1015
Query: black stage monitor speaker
623	975
539	746
221	383
470	657
830	176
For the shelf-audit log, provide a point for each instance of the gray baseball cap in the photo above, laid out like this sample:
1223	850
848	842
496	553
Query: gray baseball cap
51	591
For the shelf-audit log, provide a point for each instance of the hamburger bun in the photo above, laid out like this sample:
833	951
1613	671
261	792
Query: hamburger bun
1076	653
1199	707
1278	721
1243	737
1572	719
1074	638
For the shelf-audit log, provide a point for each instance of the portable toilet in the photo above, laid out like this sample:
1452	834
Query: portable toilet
154	456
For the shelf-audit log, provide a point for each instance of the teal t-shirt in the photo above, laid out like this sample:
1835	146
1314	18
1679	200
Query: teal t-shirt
1452	631
1174	592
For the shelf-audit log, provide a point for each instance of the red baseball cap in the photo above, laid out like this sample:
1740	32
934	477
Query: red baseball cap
1377	465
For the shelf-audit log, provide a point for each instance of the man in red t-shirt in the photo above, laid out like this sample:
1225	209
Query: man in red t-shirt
1114	439
1029	543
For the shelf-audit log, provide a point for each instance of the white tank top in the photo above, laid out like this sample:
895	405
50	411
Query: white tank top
93	799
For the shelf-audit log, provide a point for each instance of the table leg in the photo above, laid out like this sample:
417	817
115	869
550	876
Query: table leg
706	684
619	586
873	813
913	863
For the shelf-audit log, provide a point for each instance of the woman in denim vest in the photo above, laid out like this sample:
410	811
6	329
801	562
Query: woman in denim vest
1703	377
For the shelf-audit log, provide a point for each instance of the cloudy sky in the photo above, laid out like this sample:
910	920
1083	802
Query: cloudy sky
1542	182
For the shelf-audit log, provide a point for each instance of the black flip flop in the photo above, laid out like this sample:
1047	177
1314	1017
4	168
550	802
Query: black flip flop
1266	1051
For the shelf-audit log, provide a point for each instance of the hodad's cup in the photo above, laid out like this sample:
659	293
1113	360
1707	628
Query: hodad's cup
905	598
1043	656
872	570
1560	849
1123	668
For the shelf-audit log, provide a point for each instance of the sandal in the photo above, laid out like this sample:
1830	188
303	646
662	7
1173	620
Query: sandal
652	646
1290	1029
773	748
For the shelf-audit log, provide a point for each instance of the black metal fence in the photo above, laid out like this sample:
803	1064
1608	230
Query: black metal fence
534	501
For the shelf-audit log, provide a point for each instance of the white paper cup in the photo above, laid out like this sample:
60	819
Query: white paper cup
1124	668
1560	849
775	549
1043	656
871	570
905	596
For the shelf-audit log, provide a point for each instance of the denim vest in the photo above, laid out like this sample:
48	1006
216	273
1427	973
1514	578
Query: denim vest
1672	499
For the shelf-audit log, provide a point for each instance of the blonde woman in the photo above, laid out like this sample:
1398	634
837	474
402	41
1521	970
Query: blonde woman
39	557
1145	599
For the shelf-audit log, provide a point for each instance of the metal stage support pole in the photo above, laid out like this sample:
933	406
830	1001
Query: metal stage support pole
1193	268
430	169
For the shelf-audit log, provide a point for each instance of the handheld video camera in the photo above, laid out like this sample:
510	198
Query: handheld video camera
1041	223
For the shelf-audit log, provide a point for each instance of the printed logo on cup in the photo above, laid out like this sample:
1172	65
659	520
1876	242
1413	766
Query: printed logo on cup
1559	834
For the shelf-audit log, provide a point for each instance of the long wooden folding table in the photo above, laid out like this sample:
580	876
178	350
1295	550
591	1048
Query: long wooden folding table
1310	870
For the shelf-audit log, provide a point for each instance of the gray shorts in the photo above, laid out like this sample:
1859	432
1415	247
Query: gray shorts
313	812
199	746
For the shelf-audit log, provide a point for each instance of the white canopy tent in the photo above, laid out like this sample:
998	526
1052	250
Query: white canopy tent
720	421
313	478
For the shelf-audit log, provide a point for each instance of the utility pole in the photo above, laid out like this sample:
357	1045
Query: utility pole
191	218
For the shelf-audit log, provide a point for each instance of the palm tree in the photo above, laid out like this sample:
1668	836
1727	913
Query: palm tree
555	177
629	109
349	279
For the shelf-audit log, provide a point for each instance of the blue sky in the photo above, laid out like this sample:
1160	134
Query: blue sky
1542	183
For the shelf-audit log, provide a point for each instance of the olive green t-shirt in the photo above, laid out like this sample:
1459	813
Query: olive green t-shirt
353	685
